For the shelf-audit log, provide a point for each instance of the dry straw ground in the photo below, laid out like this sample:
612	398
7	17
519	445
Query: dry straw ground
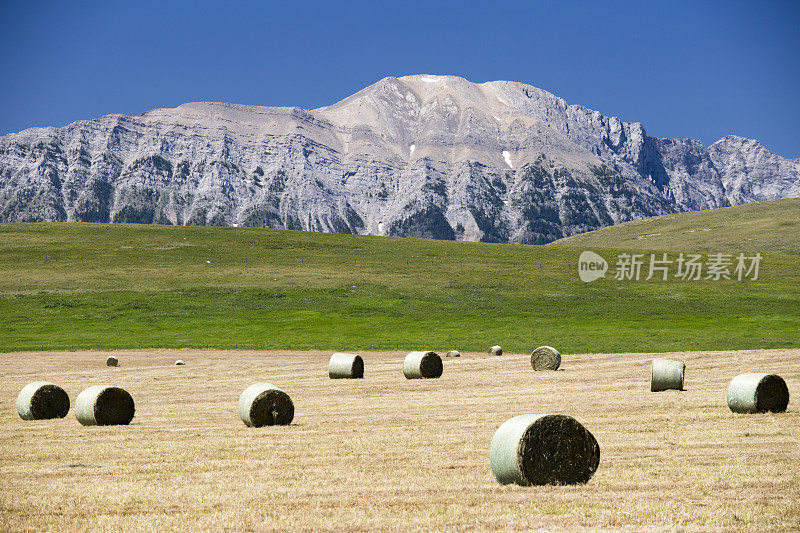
391	453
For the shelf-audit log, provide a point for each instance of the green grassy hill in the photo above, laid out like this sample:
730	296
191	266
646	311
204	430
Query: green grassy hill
764	226
128	286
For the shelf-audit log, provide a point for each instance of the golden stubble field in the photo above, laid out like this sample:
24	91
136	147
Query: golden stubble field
389	453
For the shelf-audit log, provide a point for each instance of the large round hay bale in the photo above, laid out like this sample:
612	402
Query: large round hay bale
453	353
346	366
42	400
100	405
112	361
543	450
758	393
545	358
264	404
418	365
666	375
495	350
179	362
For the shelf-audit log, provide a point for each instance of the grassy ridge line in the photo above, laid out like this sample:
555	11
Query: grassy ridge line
85	286
772	226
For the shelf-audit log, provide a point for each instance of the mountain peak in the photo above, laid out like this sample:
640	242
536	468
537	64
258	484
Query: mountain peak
736	139
423	155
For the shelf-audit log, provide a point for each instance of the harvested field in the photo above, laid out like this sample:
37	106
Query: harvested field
390	453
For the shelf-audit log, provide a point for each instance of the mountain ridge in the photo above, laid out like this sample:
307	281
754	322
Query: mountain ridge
420	156
771	226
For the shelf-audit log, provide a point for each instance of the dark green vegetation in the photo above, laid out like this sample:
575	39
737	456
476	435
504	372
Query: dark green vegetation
85	286
761	227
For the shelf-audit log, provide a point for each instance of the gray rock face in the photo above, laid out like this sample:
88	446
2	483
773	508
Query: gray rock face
418	156
751	173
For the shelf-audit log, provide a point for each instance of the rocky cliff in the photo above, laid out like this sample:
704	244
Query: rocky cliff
417	156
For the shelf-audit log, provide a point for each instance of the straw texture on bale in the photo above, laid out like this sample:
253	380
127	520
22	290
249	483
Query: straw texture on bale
545	358
179	362
104	406
42	400
419	365
758	393
264	404
543	450
112	361
346	366
495	350
453	353
667	375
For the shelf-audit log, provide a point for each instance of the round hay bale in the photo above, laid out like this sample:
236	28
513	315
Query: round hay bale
418	365
495	350
453	353
666	375
112	361
100	405
545	358
346	366
179	362
42	400
264	404
758	393
543	450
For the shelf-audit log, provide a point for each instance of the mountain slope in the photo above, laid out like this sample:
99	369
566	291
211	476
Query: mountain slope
771	226
419	156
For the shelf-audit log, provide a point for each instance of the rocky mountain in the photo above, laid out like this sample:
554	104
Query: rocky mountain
417	156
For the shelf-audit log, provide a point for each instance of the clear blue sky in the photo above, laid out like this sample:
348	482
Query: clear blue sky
684	69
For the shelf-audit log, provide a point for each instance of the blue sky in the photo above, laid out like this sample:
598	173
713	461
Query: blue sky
684	69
